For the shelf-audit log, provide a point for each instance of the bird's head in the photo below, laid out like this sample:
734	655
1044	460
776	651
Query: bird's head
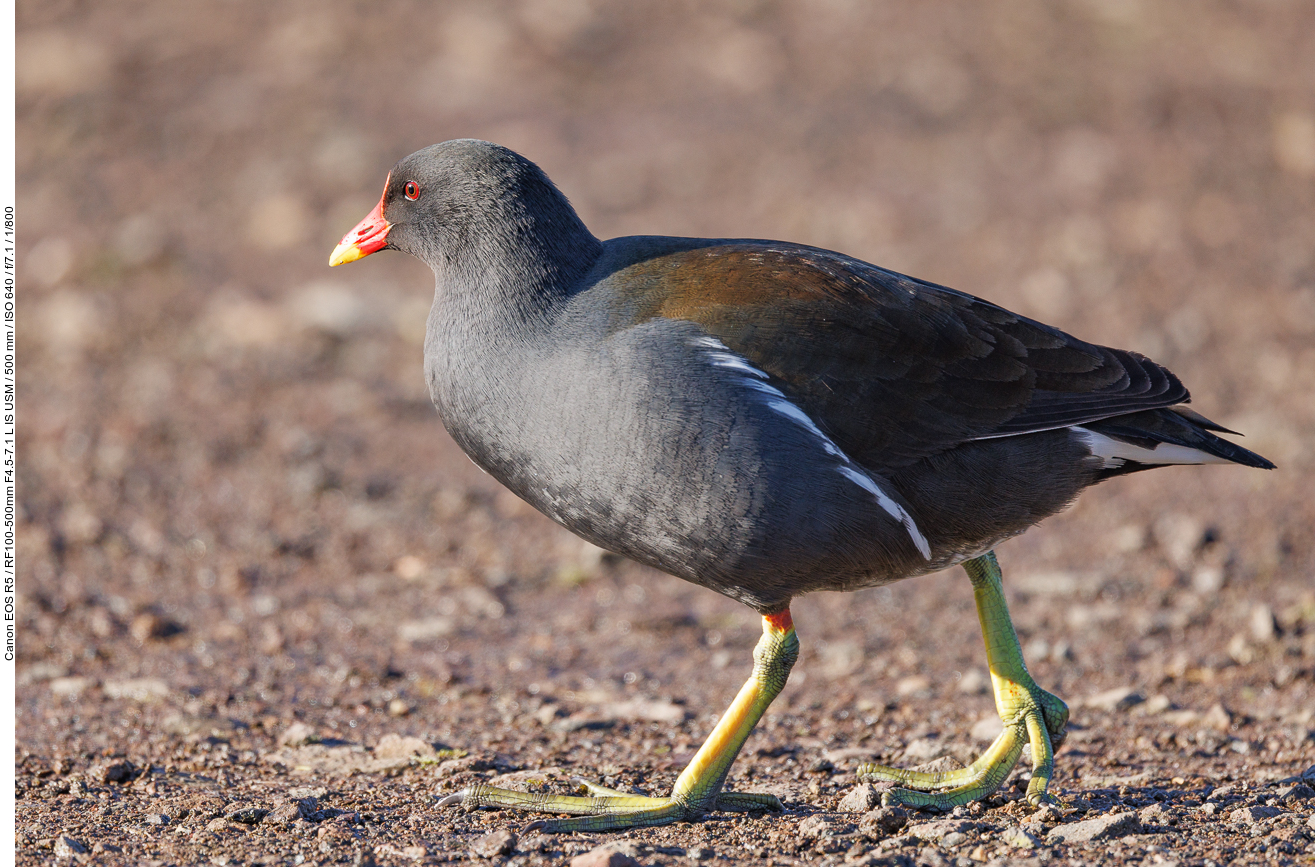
464	207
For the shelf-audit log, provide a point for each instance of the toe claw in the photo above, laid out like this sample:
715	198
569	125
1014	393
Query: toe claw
454	798
1041	800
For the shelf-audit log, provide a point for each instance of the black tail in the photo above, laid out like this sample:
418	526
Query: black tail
1144	432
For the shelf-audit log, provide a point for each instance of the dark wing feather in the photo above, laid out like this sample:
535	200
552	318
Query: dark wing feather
893	368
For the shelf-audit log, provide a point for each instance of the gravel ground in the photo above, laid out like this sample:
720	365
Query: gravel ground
270	615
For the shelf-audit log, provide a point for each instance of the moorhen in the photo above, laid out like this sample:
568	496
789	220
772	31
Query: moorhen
766	419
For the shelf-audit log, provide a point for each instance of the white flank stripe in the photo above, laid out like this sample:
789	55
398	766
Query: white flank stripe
721	356
1115	453
894	509
777	400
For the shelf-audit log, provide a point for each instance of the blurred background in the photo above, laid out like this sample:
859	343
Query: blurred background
237	501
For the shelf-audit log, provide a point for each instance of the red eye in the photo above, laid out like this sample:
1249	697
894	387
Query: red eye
411	190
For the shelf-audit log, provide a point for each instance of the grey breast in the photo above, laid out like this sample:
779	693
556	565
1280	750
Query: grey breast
637	440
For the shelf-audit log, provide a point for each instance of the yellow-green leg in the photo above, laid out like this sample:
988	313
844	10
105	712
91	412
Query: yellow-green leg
1030	715
698	788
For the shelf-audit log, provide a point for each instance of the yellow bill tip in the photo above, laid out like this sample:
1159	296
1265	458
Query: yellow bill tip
344	253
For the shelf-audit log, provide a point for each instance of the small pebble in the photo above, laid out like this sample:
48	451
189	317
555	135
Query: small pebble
494	844
67	847
293	809
246	815
394	746
1155	814
883	821
974	682
860	799
924	749
538	843
1208	580
282	814
935	832
1295	793
1251	815
603	857
954	838
1107	827
144	627
1180	536
1157	704
912	685
1019	839
986	729
1263	625
1218	718
1046	815
814	826
117	772
298	735
1119	698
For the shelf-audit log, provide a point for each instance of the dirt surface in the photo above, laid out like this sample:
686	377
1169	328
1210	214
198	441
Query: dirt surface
270	614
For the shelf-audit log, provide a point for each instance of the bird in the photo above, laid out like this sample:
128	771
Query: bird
765	419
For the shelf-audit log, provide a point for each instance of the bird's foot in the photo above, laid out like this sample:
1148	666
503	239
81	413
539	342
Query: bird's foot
698	789
1030	715
599	808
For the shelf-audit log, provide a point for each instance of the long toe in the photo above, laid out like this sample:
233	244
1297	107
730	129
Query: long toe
1037	718
949	790
598	809
1004	750
601	808
749	802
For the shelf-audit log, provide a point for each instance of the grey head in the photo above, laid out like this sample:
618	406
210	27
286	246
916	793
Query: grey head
485	218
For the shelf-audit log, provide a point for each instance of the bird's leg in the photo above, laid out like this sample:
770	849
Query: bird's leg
1029	713
698	788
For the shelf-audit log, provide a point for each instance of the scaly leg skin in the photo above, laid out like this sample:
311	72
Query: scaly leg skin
1030	715
698	788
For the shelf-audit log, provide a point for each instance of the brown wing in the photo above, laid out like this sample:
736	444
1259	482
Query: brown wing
894	368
